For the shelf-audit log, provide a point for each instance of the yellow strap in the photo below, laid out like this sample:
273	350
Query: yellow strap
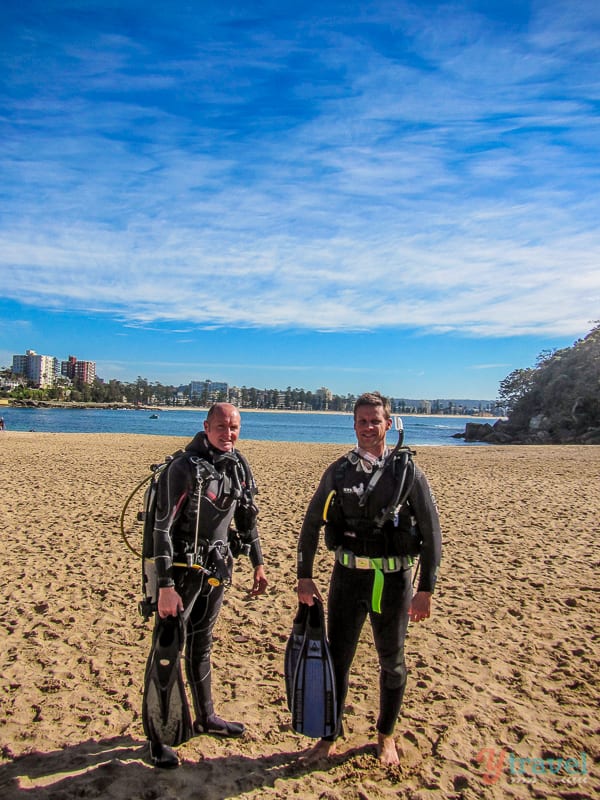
377	591
330	497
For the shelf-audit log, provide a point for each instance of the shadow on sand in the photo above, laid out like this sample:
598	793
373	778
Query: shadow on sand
116	769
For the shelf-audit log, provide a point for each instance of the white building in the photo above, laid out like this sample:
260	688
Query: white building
39	370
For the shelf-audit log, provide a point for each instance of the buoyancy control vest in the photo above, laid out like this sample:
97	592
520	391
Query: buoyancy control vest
227	514
220	509
237	524
355	517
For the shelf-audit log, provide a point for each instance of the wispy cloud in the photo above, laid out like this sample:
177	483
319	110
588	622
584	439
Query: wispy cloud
432	171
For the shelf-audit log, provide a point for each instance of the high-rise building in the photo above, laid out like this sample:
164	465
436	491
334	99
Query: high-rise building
39	370
67	368
208	390
83	371
325	396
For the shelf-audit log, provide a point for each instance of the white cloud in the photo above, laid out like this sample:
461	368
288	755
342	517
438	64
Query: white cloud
448	186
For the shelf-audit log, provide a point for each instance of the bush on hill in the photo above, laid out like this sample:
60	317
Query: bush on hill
556	402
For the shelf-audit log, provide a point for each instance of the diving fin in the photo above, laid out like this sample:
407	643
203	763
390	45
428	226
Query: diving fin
292	650
165	710
313	699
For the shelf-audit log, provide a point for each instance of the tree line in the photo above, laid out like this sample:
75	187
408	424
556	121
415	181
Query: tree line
143	392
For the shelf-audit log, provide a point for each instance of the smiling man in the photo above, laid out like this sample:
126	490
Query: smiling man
205	515
379	514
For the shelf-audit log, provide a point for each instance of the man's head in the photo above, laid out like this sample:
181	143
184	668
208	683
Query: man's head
222	426
372	420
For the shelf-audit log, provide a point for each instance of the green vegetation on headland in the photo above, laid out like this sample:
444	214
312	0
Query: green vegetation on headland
555	402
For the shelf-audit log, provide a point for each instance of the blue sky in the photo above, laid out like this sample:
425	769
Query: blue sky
400	196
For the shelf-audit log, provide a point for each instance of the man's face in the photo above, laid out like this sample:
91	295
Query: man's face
223	428
371	427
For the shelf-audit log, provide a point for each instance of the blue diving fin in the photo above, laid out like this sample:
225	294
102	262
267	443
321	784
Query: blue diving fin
165	709
313	696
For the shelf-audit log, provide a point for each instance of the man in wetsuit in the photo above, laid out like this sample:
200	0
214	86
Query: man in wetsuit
226	497
351	496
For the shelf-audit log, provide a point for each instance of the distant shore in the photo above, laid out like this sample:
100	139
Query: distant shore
165	409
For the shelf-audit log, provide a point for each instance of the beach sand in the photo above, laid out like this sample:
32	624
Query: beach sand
505	671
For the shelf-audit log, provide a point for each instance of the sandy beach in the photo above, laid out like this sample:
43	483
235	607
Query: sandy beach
503	679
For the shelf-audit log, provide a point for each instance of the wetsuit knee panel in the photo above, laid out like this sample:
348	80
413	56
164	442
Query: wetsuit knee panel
395	678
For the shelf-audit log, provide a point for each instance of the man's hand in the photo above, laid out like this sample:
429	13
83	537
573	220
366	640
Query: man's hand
260	582
169	602
307	591
420	607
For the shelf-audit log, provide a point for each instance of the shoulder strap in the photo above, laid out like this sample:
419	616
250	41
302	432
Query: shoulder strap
204	469
349	458
250	483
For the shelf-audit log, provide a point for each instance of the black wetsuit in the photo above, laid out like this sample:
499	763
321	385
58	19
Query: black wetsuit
226	506
352	528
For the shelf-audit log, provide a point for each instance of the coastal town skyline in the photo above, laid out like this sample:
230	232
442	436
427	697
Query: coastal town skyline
45	371
345	195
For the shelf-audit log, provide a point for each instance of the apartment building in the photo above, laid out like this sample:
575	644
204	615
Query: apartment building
39	370
81	371
42	371
208	390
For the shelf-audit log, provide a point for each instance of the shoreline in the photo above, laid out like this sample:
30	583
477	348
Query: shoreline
204	409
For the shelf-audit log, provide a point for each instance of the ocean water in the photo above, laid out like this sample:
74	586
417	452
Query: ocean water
261	425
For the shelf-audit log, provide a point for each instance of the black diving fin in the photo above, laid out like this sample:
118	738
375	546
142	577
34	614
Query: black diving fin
165	710
313	694
292	650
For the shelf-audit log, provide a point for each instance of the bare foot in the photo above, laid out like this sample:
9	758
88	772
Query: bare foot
386	750
322	750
